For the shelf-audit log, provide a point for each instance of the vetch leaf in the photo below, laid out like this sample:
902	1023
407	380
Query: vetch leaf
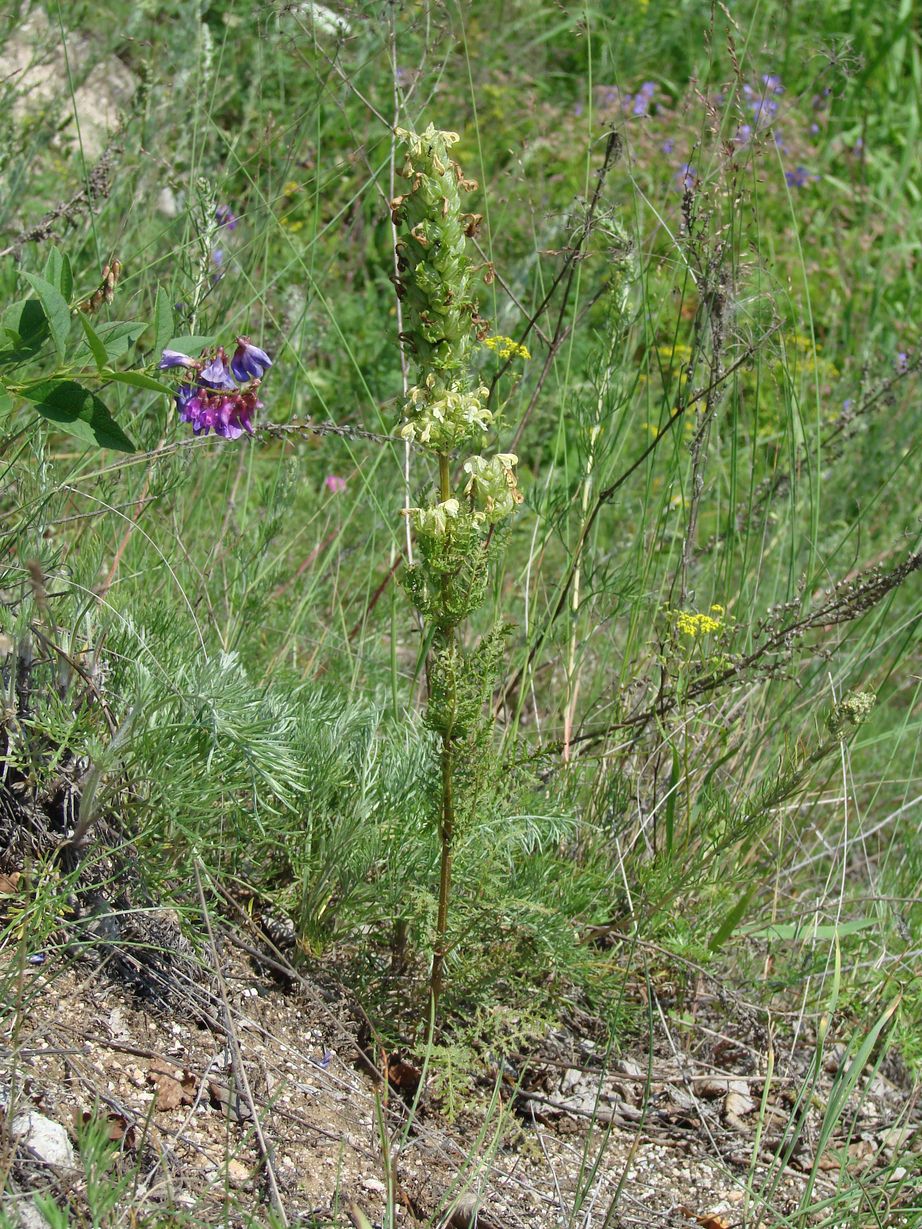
119	335
137	379
189	344
97	349
58	272
56	309
163	320
79	412
731	921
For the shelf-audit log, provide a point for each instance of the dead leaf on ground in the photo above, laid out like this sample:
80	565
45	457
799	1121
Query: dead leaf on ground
118	1128
229	1101
174	1087
709	1221
9	884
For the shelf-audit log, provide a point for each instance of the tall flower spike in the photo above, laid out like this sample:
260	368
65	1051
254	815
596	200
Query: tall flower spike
434	281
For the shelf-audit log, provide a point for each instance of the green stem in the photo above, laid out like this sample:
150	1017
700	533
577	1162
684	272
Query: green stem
447	809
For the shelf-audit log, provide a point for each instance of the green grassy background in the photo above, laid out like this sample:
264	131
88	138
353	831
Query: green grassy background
253	647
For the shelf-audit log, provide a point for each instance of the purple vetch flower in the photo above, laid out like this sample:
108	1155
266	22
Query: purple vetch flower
175	358
188	403
334	484
577	108
668	146
249	362
848	405
225	216
772	83
686	177
902	362
213	401
216	374
743	134
798	178
764	110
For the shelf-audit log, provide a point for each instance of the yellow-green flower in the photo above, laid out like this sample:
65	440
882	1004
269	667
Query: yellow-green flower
492	485
506	347
690	623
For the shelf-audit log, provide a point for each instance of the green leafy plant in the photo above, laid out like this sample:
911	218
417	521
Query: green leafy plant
454	532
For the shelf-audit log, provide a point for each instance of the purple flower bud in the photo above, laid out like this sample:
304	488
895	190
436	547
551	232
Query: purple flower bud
249	362
174	358
216	375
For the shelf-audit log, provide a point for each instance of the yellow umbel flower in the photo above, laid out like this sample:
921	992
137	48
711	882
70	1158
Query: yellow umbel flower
506	347
690	623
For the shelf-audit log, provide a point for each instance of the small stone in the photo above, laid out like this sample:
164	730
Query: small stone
374	1185
45	1139
238	1174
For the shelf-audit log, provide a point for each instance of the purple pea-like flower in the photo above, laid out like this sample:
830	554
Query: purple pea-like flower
175	358
902	362
798	178
187	403
249	362
225	216
772	83
668	146
686	177
334	483
216	374
763	110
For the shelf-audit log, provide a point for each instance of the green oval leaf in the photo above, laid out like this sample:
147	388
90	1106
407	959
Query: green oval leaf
97	349
119	335
56	310
163	320
79	412
189	344
137	379
57	270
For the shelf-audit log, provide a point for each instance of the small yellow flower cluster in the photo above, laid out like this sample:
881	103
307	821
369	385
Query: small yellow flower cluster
506	347
691	624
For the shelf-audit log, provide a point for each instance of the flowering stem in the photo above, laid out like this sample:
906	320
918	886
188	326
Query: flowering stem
447	810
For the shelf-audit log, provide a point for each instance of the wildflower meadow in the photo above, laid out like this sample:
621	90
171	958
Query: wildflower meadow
460	614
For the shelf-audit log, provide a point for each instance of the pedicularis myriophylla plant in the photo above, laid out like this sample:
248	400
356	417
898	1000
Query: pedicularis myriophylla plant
446	411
